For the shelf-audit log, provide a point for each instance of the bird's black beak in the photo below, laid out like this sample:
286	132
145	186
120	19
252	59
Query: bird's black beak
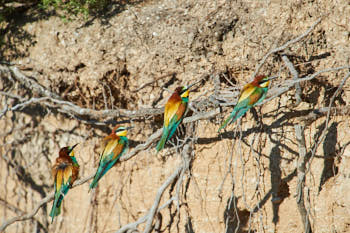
189	86
72	148
130	127
271	78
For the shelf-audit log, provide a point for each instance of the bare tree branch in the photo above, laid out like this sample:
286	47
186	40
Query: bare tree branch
295	75
150	214
286	85
302	160
27	82
286	45
324	132
43	201
22	105
51	100
160	192
149	217
69	107
50	197
27	216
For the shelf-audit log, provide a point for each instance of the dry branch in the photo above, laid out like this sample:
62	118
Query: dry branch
69	107
324	132
284	46
52	100
76	111
287	85
43	201
295	75
50	197
302	169
154	137
302	160
22	105
161	190
27	82
149	217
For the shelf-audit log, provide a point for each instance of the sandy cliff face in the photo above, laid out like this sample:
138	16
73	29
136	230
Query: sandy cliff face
245	179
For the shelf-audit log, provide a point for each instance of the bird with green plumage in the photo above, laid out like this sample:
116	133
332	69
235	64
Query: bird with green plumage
174	112
115	145
252	94
65	171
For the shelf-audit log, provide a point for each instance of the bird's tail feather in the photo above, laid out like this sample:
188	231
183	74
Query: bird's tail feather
240	113
233	113
234	117
56	207
163	139
101	171
94	182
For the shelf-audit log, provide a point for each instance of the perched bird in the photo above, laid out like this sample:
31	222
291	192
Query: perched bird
115	145
65	171
174	112
252	94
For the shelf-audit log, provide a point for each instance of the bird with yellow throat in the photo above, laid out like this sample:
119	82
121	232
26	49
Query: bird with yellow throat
252	94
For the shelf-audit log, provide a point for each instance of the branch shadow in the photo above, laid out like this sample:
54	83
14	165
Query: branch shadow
25	177
110	10
280	189
235	219
269	193
189	225
282	121
13	36
329	149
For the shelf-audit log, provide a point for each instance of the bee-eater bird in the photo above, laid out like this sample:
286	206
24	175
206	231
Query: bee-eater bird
65	171
174	112
252	94
115	145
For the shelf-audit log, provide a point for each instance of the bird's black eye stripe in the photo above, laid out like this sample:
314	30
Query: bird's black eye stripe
183	90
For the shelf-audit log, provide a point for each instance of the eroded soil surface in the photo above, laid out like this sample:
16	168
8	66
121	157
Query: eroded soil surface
245	179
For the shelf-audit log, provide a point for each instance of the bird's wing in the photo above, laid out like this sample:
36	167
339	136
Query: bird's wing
181	110
255	96
171	108
118	149
63	175
75	174
67	174
109	148
246	92
113	149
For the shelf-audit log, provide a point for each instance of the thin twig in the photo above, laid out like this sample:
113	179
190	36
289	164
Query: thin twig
161	190
43	201
286	45
295	75
48	198
150	214
324	132
154	80
277	91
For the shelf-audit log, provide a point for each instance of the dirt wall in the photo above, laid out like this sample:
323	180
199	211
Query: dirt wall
242	180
